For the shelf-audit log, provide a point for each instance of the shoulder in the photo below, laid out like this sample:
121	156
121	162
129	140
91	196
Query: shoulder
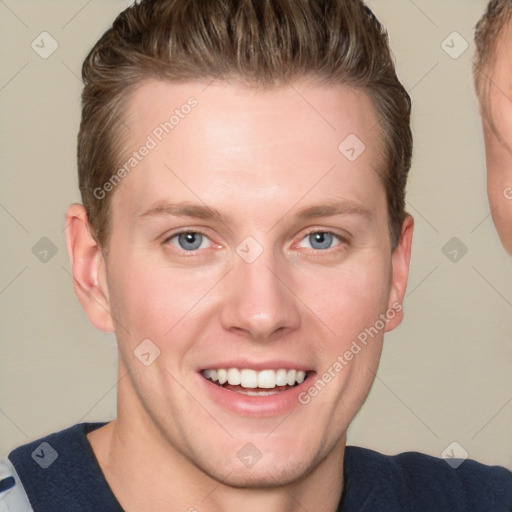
60	469
43	452
423	482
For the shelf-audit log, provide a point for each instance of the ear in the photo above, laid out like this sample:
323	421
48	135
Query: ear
400	260
88	268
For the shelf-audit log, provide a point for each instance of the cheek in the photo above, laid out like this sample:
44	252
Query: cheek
141	299
350	297
149	298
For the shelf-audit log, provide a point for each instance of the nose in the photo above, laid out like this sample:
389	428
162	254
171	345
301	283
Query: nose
260	302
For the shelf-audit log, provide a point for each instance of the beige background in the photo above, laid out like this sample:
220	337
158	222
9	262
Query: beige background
446	372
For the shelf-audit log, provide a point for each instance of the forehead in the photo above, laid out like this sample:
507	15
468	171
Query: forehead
496	79
500	50
231	142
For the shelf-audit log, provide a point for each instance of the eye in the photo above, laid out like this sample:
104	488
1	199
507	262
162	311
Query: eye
189	240
320	240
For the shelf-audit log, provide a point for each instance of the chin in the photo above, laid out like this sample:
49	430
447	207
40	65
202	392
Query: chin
263	476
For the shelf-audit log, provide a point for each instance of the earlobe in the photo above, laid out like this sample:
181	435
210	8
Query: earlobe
400	260
88	269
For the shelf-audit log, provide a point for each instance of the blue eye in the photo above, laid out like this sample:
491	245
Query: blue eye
188	241
320	240
191	241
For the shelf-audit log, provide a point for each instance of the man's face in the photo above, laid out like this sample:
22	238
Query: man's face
499	148
256	289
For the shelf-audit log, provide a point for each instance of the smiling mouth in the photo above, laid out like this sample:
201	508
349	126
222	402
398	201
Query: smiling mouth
255	383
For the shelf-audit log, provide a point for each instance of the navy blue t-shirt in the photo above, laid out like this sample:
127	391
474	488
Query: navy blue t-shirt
63	475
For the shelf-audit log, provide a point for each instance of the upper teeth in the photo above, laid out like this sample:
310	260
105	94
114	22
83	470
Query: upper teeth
252	379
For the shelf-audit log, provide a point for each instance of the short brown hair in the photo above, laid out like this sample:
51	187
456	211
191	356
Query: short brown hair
487	33
258	42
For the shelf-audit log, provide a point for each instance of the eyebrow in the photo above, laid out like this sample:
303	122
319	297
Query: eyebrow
204	212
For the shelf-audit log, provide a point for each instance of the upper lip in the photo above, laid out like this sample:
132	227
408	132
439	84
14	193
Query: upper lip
275	364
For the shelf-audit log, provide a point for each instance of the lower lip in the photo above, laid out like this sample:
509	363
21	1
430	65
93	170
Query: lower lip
270	405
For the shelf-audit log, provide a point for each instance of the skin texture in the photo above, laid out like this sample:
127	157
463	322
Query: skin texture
258	157
498	141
